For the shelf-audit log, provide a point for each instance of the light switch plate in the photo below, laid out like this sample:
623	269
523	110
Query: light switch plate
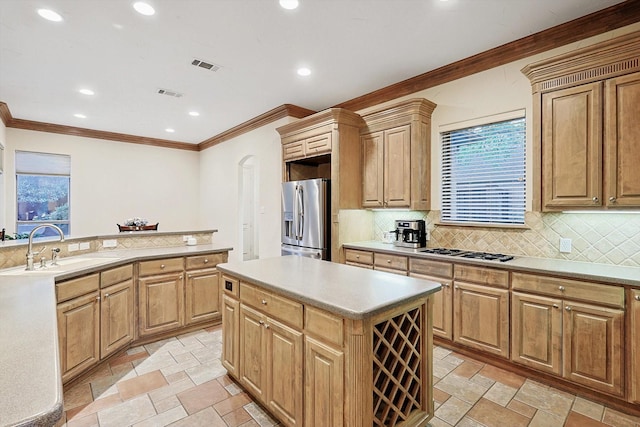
565	245
84	246
73	247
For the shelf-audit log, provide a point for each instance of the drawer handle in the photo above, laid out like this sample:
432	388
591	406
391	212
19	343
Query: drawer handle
561	288
162	266
264	302
567	308
206	260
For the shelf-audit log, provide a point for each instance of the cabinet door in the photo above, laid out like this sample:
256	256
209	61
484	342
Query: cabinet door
284	372
254	351
202	296
442	306
592	345
397	167
323	384
536	332
622	140
161	303
481	317
635	349
230	334
116	317
78	334
572	147
317	145
372	170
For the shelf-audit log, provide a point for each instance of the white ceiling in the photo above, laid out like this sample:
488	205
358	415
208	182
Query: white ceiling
352	47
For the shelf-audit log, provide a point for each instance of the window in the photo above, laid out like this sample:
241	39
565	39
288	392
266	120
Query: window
483	172
42	191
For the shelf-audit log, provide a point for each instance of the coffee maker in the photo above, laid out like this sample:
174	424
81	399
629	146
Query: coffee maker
410	233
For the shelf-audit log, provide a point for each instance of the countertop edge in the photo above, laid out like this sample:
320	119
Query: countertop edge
612	274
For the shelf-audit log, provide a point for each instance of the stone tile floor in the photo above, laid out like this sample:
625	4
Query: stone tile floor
181	382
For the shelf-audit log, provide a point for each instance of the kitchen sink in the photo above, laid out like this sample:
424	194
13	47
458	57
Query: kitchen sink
64	265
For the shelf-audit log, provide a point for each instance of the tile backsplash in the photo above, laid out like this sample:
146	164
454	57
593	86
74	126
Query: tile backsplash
596	237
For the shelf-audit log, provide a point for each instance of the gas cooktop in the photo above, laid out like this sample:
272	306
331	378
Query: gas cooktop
468	254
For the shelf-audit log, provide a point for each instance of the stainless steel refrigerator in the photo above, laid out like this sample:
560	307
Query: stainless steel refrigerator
306	229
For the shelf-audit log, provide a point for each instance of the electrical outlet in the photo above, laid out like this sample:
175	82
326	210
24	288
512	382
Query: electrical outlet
73	247
565	245
84	246
427	234
112	243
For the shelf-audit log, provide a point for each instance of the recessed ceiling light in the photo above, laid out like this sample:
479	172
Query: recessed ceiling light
80	116
144	8
194	113
304	71
170	130
49	15
289	4
86	92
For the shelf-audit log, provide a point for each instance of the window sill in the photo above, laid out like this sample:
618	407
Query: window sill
482	225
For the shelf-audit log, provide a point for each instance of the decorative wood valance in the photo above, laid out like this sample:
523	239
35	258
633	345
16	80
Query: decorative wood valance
600	61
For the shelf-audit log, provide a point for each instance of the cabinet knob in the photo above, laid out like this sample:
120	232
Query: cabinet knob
261	322
106	295
206	260
189	276
357	256
97	298
388	261
612	199
561	288
266	326
446	285
637	297
555	306
567	308
595	199
264	302
162	266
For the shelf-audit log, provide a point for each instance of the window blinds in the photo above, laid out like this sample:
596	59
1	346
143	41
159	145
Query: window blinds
32	163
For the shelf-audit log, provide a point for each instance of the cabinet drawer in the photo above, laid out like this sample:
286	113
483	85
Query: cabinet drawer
275	306
359	257
293	150
357	264
324	325
567	288
77	287
116	275
318	145
386	261
482	275
159	266
230	286
205	261
431	268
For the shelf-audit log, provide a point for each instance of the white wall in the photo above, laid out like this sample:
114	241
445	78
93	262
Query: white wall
112	181
3	143
220	178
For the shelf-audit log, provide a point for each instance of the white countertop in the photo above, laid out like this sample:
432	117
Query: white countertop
348	291
605	273
30	379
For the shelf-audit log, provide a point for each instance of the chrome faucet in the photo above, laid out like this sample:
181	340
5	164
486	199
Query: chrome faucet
30	253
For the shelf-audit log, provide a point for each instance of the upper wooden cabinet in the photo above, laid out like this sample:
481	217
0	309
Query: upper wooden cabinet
586	135
396	148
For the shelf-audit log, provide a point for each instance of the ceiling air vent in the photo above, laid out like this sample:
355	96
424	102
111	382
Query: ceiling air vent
205	65
168	92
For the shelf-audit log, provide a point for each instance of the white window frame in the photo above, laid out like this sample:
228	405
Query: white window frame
474	204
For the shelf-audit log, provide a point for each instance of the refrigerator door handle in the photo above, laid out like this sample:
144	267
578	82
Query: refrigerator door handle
295	212
300	218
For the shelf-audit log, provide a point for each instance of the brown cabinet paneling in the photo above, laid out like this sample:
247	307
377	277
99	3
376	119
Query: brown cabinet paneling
161	303
634	348
202	296
231	330
116	317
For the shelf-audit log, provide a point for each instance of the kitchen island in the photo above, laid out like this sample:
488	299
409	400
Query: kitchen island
320	343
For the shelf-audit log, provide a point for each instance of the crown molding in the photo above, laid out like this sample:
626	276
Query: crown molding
5	114
286	110
608	19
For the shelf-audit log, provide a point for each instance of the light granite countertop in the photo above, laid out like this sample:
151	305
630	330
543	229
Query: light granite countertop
604	273
348	291
30	383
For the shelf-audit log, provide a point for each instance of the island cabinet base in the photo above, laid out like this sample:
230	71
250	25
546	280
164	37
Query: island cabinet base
358	372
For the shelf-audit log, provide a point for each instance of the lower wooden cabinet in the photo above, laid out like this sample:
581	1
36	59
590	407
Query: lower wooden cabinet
442	306
231	330
592	344
324	384
202	296
481	317
116	317
160	303
78	334
271	365
633	340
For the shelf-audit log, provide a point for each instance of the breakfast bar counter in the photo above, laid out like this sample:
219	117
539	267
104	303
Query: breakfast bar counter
321	343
